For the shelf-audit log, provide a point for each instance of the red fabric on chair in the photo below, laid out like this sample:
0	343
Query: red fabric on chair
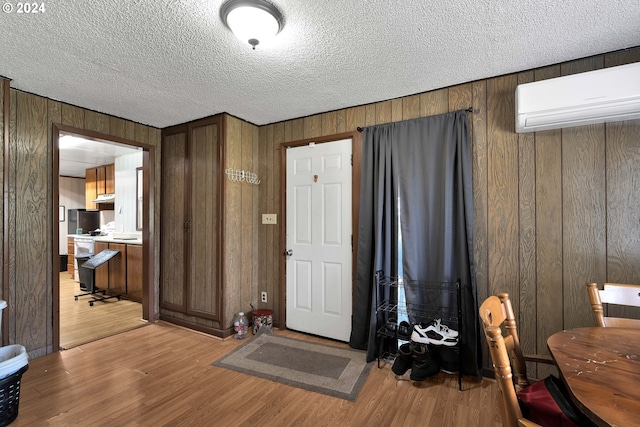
543	402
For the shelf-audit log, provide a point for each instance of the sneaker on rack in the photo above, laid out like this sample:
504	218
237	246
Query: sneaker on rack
431	334
445	329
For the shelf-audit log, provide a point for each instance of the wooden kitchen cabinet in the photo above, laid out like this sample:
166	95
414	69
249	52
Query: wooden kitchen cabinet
71	247
101	278
110	179
134	272
90	187
112	276
98	181
118	269
190	277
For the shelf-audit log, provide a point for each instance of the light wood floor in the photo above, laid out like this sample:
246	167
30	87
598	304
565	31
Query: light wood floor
81	323
161	375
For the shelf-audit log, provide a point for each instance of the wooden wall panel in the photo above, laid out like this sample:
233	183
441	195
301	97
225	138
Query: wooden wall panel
264	206
4	132
623	200
527	235
117	127
480	193
396	111
583	210
97	122
32	225
72	116
411	107
248	222
312	126
233	224
341	121
502	157
549	306
329	123
383	112
623	195
276	195
355	117
438	101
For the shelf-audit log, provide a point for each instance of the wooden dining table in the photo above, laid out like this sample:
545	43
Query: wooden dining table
601	368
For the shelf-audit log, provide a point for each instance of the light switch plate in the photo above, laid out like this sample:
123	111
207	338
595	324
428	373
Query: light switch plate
269	218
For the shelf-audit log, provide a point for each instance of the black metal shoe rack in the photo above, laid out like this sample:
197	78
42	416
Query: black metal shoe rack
436	292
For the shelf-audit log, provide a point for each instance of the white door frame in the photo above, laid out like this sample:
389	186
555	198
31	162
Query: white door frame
356	148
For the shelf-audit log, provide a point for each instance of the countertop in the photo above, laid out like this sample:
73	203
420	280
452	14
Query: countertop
126	240
129	240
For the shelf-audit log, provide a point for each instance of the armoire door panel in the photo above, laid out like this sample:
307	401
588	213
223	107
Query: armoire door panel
203	294
172	266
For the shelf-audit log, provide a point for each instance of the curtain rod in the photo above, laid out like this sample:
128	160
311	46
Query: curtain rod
468	110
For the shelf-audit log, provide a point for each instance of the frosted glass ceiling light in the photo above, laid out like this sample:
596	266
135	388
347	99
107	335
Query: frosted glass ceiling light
252	21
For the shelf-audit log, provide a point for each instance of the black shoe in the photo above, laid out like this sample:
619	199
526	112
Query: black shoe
403	361
391	325
424	366
405	330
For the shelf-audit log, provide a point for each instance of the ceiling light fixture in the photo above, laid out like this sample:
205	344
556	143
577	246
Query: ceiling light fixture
252	21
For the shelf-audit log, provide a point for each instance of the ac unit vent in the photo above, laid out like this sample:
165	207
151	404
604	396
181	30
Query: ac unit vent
606	95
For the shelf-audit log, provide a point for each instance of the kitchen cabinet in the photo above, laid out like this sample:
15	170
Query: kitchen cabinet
134	272
112	276
118	270
190	276
71	247
98	181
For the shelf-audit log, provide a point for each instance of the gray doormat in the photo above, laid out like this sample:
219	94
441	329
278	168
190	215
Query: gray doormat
335	371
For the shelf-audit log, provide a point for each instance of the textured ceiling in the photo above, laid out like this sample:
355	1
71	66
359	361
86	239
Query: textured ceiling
161	62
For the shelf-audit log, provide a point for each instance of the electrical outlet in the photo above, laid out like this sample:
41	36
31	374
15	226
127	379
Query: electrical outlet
269	218
263	297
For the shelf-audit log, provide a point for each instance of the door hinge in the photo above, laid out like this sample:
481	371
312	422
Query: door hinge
352	160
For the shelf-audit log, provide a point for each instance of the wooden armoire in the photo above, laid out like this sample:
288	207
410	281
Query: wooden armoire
191	225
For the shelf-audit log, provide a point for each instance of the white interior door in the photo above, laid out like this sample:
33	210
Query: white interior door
319	230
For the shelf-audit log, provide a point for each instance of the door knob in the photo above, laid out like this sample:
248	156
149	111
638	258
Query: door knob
288	252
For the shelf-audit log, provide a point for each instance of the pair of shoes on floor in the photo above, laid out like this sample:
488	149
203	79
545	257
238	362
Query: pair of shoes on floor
415	356
434	333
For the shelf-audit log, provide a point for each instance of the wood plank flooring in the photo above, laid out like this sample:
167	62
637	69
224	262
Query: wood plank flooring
81	323
161	375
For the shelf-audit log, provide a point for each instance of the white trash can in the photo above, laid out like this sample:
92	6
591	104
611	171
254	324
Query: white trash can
14	362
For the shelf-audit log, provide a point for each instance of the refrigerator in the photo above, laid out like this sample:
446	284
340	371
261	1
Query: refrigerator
84	219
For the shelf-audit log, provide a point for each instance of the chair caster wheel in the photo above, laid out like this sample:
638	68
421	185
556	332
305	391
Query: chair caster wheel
91	304
75	298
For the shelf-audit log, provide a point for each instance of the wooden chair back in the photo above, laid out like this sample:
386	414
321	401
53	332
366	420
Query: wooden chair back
506	356
614	293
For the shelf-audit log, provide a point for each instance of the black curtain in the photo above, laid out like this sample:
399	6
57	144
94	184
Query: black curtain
426	165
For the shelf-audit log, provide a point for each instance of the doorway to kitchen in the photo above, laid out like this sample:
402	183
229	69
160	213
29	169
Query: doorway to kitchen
102	186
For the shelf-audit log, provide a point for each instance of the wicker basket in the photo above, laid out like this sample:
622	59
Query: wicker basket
10	396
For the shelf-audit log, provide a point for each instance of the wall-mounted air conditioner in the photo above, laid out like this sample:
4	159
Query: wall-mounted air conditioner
606	95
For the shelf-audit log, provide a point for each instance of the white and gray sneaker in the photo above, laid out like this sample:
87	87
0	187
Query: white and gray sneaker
445	329
433	333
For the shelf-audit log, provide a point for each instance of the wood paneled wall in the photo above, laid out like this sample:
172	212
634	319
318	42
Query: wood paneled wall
31	204
241	219
4	139
553	210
